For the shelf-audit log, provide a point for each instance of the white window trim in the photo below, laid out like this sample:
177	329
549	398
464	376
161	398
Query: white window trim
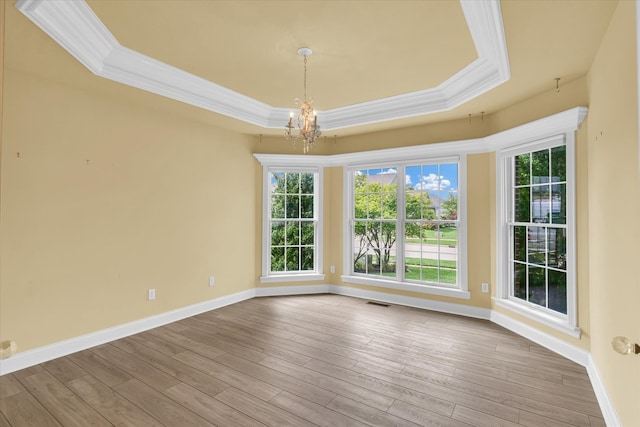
461	290
569	323
274	277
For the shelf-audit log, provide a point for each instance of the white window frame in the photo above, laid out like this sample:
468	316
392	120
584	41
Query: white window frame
461	290
504	165
274	277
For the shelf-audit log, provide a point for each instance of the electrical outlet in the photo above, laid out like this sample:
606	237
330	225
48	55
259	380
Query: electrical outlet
212	280
152	294
485	287
333	268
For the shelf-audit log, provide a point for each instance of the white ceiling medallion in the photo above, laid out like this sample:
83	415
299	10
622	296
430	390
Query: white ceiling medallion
74	26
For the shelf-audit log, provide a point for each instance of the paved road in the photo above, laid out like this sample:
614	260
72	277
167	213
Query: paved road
412	250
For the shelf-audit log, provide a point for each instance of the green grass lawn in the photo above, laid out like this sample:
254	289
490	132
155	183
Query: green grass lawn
430	274
449	237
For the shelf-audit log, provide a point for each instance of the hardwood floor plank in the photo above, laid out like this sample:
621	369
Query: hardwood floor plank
23	409
312	412
533	399
61	402
556	389
327	382
110	404
181	371
278	379
137	368
209	408
308	360
9	385
422	416
105	371
367	414
419	381
263	411
237	379
158	405
534	420
479	419
3	421
388	388
64	370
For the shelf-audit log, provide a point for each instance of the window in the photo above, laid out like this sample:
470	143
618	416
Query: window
405	226
538	230
292	228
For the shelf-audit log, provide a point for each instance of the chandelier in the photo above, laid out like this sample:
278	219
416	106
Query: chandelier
306	121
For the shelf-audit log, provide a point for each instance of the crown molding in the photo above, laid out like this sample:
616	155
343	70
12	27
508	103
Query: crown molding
74	26
556	124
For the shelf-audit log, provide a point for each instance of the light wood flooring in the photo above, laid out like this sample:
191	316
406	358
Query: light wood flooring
317	360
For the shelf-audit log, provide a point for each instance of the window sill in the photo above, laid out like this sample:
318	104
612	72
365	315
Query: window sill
405	286
539	316
300	277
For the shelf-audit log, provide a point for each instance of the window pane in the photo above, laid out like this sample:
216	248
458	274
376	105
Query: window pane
519	280
537	238
558	291
521	205
293	206
293	259
277	259
277	206
277	182
522	169
449	207
558	248
558	164
390	209
413	204
293	233
307	259
540	167
360	249
307	206
307	230
277	233
293	183
306	183
360	181
559	203
537	286
374	205
360	206
540	204
520	243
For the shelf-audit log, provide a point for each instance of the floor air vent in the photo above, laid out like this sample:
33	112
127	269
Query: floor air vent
378	303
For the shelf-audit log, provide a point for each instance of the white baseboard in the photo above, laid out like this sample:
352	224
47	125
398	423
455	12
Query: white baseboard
606	406
582	357
62	348
272	291
570	351
446	307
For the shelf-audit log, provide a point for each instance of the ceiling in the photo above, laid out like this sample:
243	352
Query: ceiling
375	64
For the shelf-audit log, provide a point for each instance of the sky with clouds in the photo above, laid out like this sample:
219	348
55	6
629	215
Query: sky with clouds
431	178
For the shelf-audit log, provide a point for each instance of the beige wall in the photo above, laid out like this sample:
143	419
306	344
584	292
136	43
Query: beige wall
614	210
106	200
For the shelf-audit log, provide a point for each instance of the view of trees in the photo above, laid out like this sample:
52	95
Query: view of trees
540	249
376	211
292	221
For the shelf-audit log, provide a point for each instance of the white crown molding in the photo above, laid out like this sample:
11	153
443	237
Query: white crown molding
565	121
74	26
